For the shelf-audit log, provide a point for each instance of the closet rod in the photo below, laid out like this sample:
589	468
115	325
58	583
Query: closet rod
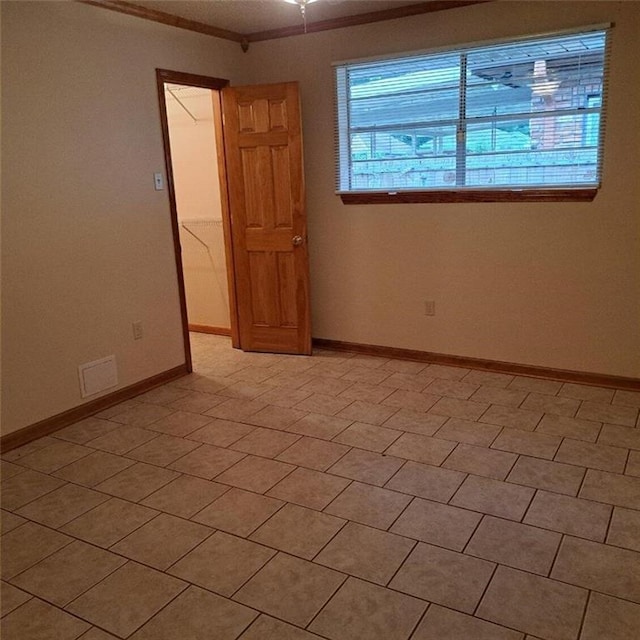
175	97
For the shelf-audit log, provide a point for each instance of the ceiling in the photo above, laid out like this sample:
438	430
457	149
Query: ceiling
250	16
251	20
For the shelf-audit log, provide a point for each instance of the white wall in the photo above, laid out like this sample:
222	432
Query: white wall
197	188
549	284
87	243
193	153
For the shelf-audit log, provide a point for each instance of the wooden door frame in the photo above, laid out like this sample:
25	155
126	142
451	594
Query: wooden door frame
216	85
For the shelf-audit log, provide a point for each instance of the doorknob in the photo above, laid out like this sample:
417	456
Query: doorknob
296	241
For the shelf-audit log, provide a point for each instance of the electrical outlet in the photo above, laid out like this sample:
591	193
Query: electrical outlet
137	330
429	307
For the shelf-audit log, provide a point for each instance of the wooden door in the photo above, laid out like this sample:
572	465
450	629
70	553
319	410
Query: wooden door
263	148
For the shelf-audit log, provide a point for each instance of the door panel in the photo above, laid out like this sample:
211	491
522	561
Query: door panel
263	145
287	289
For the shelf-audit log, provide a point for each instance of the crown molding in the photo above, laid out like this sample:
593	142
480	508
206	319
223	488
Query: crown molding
244	39
362	18
153	15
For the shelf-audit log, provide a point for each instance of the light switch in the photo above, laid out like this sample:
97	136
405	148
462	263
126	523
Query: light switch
158	180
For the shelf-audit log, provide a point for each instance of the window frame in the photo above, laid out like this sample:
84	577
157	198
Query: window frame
561	193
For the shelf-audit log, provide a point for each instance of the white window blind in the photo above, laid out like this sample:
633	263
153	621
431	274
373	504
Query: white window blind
524	114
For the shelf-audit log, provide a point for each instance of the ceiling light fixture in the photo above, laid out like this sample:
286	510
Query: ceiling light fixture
303	9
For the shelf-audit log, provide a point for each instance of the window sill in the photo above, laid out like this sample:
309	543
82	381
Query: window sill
479	195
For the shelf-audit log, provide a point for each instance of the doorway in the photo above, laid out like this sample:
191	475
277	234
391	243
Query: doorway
196	181
199	206
258	141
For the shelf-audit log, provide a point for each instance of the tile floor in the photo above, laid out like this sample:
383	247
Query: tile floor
336	496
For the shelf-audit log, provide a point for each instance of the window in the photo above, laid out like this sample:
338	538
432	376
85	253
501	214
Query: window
516	120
